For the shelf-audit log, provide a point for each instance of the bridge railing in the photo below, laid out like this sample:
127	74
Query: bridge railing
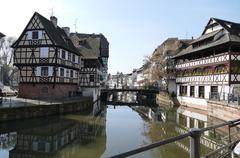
194	133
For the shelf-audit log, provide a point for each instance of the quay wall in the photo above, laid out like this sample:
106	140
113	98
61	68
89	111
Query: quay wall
45	91
166	101
223	111
27	112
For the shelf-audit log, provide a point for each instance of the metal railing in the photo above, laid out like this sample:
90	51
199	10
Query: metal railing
195	135
230	98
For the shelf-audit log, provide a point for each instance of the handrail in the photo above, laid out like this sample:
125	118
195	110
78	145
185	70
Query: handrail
220	149
194	133
151	146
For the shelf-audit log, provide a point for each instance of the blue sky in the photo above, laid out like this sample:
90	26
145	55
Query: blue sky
134	28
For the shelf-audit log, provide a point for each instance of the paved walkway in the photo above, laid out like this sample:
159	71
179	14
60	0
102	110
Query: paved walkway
21	102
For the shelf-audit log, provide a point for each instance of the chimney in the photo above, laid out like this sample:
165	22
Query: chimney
54	20
67	30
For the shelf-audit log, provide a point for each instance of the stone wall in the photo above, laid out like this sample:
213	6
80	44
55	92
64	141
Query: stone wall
45	91
16	113
223	111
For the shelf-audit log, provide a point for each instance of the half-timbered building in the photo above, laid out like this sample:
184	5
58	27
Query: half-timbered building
102	49
209	67
48	62
94	49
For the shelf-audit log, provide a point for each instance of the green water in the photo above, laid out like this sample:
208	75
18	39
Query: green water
117	129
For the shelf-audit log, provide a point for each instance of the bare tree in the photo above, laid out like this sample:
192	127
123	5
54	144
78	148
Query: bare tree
159	65
6	58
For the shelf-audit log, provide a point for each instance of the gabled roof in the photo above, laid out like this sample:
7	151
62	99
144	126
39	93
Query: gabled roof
104	44
90	48
56	34
230	32
1	35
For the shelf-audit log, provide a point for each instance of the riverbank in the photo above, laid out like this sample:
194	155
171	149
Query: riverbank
20	108
167	101
218	109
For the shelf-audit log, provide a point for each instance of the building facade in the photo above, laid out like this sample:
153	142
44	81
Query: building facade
47	60
209	67
94	62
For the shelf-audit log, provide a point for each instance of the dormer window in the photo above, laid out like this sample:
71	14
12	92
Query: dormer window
35	35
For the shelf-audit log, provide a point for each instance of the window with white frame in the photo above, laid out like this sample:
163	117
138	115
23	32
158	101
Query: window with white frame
44	52
63	54
34	35
62	72
73	58
69	56
71	73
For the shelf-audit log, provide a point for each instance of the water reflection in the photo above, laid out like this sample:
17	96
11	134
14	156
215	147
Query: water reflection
116	129
164	124
64	137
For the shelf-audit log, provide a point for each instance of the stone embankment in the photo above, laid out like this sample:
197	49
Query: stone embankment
43	110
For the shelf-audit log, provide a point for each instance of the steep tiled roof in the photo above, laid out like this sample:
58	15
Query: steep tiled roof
1	35
104	44
56	34
90	48
229	33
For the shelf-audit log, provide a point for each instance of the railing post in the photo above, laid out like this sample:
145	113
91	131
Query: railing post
238	99
195	143
228	97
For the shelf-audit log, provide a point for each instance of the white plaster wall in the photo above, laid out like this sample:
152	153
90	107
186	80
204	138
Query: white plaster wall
188	91
178	90
196	91
207	90
224	91
193	102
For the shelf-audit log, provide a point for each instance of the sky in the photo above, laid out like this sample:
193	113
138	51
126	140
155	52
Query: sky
134	28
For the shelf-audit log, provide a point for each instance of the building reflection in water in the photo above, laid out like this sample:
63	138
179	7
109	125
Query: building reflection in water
56	139
182	120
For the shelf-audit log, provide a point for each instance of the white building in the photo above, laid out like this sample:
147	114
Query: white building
209	67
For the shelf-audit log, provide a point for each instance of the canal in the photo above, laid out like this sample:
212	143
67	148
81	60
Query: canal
114	130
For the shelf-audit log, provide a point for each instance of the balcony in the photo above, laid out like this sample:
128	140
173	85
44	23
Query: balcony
220	58
206	79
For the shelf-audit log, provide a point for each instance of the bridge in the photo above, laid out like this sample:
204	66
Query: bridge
142	95
120	103
130	90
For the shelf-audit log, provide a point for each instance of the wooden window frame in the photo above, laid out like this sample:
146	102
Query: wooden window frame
44	71
61	72
35	35
91	78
